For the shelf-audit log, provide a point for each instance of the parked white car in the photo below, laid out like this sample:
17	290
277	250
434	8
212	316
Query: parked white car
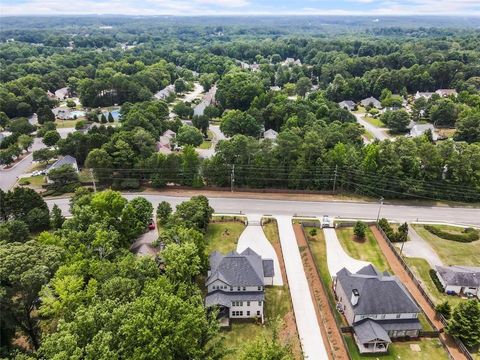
327	222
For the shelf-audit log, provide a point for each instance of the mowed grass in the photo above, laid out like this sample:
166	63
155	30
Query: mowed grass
368	250
374	121
32	181
451	252
67	123
429	349
223	236
421	269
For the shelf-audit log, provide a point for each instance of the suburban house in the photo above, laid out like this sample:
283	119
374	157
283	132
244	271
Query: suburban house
291	61
62	113
460	280
165	92
347	105
207	100
371	101
236	284
446	92
62	93
65	160
425	95
270	134
420	129
164	144
377	306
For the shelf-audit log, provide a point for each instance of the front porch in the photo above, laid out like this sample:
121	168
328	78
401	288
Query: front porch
376	346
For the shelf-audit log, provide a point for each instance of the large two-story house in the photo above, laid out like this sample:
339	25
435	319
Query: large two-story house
377	306
236	284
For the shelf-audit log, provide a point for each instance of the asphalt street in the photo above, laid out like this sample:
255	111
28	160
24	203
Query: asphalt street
338	209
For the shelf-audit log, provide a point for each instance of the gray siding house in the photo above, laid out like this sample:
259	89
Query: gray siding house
236	284
371	101
460	280
377	306
347	104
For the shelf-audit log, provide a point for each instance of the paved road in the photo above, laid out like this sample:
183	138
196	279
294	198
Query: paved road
9	177
194	94
339	209
418	247
337	258
378	133
254	238
217	136
305	316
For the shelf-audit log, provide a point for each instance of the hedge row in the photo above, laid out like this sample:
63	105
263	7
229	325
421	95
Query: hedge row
436	281
467	235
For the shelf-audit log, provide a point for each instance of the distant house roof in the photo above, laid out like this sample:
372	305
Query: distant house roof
66	160
464	276
61	93
169	133
446	92
369	330
270	134
275	88
420	129
245	269
378	293
371	101
349	104
165	92
426	95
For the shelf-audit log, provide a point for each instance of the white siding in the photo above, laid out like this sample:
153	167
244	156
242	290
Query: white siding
456	289
248	309
386	316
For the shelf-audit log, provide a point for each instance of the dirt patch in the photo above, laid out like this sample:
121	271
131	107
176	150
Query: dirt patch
289	331
429	311
331	334
359	240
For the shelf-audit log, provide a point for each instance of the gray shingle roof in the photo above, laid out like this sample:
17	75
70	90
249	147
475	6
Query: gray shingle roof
268	270
235	269
66	160
369	330
222	298
460	275
400	324
379	294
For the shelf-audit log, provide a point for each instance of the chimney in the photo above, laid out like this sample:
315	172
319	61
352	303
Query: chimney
355	296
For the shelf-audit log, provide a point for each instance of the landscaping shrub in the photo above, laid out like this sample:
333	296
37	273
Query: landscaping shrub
313	232
467	235
436	281
395	236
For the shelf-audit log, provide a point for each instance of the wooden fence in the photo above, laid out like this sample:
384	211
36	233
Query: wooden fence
425	295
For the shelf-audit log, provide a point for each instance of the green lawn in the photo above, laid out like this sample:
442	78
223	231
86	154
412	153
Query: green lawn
32	181
420	267
374	121
429	349
368	135
223	237
206	144
67	123
367	250
452	252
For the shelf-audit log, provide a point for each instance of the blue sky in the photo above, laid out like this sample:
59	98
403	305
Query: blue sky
241	7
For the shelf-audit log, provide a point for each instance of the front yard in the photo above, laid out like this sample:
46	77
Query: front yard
223	236
451	252
367	250
374	121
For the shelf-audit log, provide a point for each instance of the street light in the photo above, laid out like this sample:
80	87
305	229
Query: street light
380	208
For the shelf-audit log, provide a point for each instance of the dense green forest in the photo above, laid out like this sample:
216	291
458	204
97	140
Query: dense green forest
123	61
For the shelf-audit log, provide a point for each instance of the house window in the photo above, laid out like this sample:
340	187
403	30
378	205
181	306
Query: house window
259	288
244	288
231	288
241	313
398	316
248	313
240	303
248	303
238	288
258	312
259	303
383	316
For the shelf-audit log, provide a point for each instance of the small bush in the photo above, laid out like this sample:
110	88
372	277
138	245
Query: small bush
436	281
467	235
313	232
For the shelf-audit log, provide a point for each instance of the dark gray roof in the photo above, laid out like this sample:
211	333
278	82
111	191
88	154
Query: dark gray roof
268	270
66	160
236	269
379	294
369	270
225	298
349	103
460	275
369	330
400	324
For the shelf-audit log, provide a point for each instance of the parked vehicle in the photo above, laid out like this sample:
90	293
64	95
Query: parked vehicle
151	225
327	222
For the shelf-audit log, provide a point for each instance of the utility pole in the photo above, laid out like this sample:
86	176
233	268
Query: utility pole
335	178
232	178
380	208
93	179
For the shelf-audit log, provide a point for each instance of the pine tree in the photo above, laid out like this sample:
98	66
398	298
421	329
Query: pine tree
103	119
110	118
465	323
56	218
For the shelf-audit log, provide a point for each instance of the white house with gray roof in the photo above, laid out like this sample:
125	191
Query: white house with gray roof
377	306
347	104
371	101
236	283
460	280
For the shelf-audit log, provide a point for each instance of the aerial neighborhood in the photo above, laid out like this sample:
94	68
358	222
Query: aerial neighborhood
239	187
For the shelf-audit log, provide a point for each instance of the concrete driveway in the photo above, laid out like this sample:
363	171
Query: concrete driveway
305	316
217	136
337	258
418	247
378	133
254	238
